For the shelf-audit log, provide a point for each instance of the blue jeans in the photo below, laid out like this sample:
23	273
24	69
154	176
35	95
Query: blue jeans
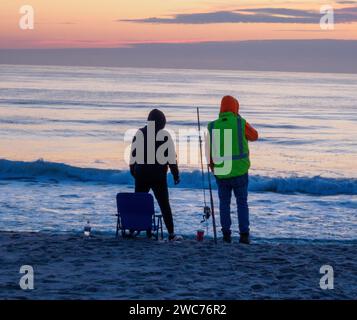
239	185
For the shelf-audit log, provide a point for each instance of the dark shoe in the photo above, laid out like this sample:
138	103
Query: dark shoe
173	237
227	237
244	238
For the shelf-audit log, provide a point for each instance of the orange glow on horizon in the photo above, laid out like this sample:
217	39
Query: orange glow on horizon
81	23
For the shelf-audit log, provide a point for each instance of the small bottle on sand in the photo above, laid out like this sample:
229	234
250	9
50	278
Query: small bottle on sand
87	229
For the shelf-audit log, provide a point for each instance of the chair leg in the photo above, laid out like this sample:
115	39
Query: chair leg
160	227
117	232
155	227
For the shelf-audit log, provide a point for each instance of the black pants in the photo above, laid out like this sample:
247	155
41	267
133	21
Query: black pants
161	193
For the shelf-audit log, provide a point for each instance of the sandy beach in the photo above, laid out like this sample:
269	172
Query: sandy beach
70	267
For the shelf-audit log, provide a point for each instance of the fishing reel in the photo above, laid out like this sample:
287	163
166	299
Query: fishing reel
206	213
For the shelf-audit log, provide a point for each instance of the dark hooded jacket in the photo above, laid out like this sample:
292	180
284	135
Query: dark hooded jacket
155	171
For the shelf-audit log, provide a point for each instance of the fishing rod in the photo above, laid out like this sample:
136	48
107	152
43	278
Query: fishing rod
207	211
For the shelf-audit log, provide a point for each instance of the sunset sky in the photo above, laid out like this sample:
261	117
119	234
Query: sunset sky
118	23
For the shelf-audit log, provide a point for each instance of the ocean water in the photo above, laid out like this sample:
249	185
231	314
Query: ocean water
62	146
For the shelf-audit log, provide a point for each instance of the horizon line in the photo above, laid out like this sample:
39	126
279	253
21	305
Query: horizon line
128	45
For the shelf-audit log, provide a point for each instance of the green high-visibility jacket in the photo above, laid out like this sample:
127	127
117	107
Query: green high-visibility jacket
228	146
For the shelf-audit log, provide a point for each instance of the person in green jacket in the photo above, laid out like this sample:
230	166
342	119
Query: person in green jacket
229	161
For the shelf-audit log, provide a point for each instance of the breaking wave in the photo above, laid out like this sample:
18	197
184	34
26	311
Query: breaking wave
41	170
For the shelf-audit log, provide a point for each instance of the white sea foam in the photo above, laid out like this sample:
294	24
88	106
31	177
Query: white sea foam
44	171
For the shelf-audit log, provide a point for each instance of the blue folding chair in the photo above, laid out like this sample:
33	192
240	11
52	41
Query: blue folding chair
136	213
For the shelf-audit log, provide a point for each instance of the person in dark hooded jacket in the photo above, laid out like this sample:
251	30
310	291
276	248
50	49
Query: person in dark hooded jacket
152	154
